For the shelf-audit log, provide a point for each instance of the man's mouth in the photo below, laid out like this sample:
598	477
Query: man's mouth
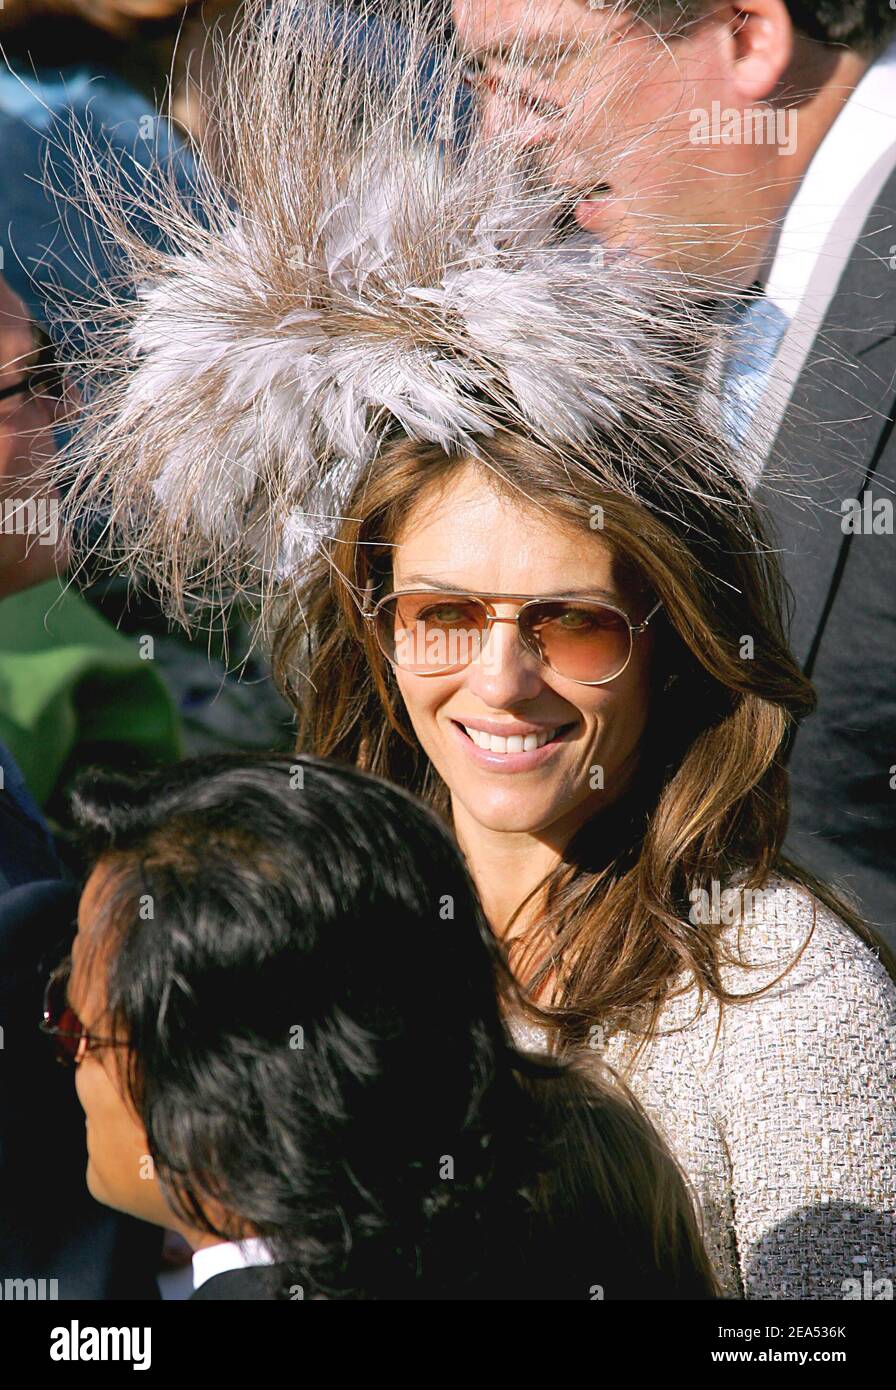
567	224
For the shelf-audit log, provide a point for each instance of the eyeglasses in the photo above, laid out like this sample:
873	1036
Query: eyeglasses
429	633
71	1039
43	375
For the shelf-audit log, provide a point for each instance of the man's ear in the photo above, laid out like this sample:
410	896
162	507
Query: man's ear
760	46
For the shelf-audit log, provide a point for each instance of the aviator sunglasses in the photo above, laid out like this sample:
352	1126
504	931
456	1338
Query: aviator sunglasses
429	632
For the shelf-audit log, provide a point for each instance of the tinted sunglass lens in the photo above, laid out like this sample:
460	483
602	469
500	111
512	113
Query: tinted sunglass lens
61	1021
68	1040
425	632
585	642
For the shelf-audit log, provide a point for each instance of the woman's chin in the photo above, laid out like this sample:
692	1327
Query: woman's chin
95	1185
508	812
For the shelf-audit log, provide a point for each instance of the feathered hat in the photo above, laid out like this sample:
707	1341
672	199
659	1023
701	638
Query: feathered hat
353	257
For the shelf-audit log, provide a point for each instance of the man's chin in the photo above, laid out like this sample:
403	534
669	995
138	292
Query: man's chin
669	253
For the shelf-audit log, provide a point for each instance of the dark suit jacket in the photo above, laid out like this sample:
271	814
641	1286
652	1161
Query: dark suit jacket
836	442
257	1283
50	1226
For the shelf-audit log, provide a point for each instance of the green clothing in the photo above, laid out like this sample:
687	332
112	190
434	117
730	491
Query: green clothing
73	691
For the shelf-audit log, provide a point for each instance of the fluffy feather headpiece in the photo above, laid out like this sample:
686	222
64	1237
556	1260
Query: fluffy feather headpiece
354	259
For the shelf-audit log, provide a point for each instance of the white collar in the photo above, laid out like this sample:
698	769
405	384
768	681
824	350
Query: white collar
823	214
228	1254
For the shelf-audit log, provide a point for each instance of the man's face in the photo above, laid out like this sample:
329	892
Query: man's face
609	109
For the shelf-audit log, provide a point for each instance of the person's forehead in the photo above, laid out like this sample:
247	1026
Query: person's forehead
91	897
496	559
526	31
91	894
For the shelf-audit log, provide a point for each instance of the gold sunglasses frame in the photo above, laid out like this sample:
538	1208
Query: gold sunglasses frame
635	629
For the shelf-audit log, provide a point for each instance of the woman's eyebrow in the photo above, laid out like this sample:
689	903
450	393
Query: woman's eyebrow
593	592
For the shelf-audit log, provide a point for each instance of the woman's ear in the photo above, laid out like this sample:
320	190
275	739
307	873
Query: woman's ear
761	38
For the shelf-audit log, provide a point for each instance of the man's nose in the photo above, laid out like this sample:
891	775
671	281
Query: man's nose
504	116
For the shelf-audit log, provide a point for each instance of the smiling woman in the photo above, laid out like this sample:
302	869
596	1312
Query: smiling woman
592	806
368	385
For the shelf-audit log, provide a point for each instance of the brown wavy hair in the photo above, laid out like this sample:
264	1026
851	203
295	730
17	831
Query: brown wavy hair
710	799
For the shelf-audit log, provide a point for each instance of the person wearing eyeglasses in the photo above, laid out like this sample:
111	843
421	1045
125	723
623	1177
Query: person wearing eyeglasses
752	145
50	1229
29	407
600	714
468	478
260	1068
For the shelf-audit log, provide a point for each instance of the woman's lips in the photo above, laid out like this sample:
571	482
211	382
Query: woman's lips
510	762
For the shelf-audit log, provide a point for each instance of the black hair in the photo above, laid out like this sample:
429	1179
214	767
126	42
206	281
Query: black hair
864	25
298	961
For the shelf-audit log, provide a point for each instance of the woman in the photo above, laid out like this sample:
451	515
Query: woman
620	858
465	468
261	1069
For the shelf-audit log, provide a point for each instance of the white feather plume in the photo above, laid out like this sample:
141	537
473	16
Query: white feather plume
338	274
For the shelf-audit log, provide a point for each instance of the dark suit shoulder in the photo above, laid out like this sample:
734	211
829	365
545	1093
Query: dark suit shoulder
833	527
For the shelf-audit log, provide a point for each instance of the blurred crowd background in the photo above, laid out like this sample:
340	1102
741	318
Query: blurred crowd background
92	674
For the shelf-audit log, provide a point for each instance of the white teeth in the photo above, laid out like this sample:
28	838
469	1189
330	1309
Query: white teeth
516	743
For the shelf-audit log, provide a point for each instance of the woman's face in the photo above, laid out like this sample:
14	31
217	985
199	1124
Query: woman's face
470	536
120	1170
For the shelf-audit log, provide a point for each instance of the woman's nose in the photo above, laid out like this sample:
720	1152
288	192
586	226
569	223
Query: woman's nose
505	671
